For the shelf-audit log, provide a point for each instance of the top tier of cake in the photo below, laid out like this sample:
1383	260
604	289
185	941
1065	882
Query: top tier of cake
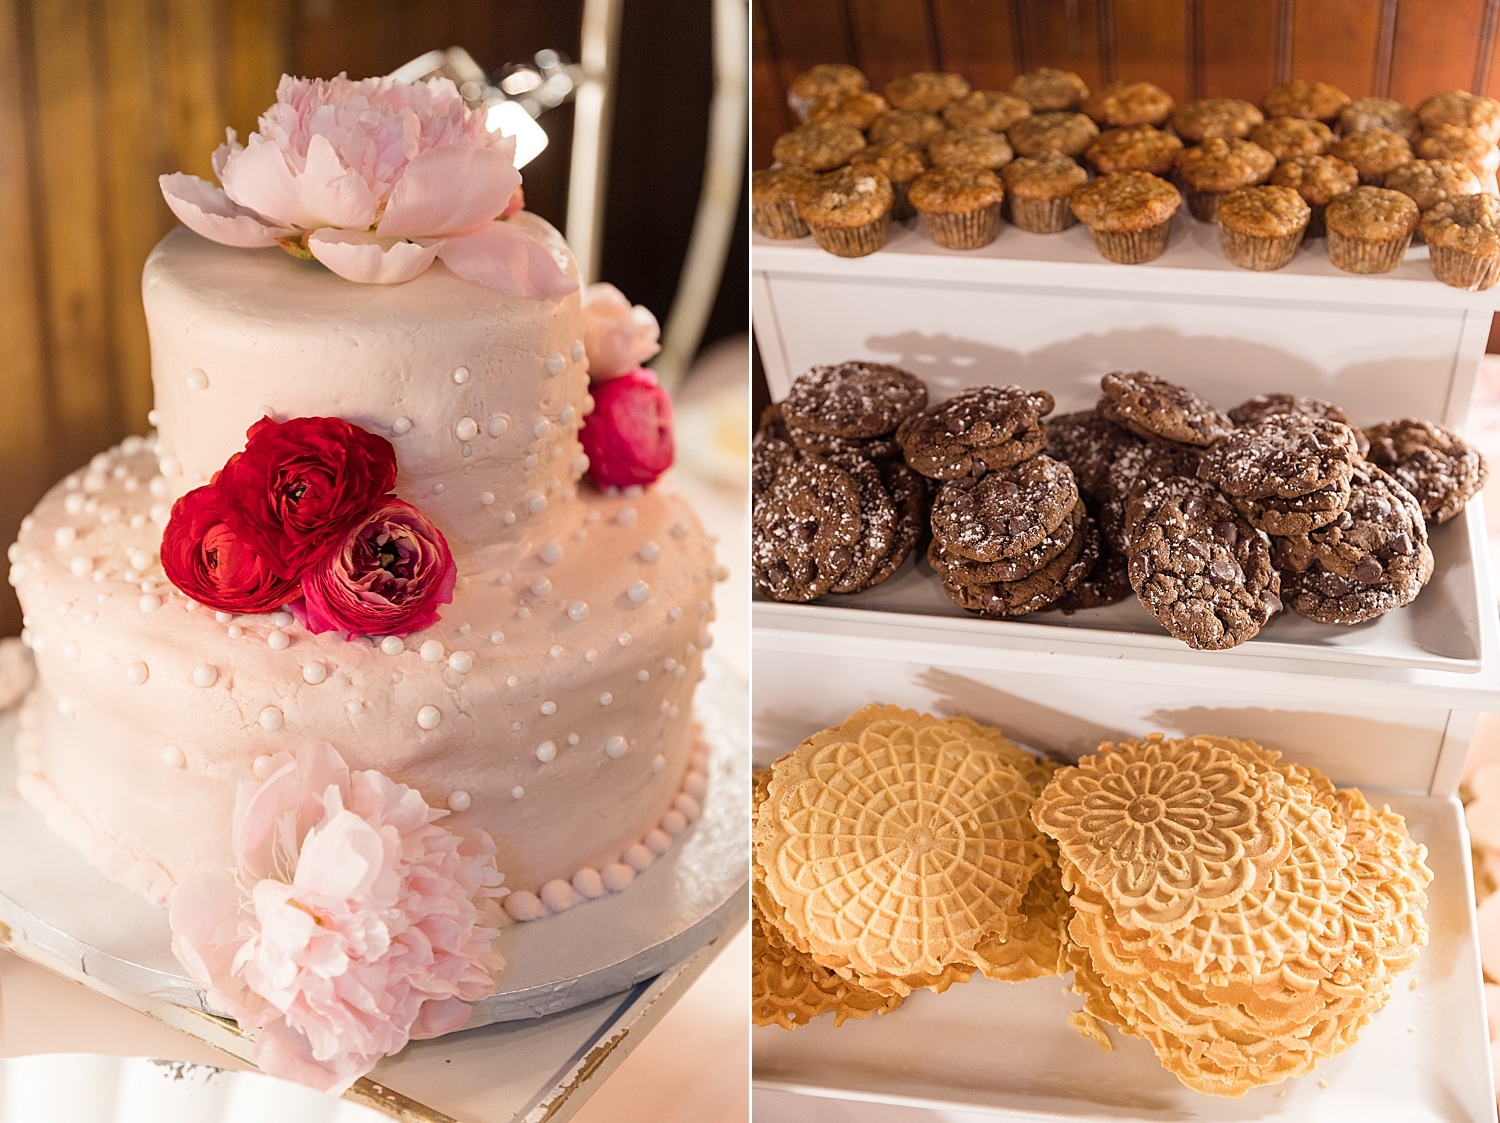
480	392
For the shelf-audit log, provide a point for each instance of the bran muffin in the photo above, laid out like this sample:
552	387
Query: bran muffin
1429	182
848	211
1129	215
1261	227
1463	234
959	205
1047	90
1379	113
1453	142
1369	229
1374	154
819	148
901	163
911	125
1461	108
1288	137
852	107
1198	120
1316	101
1068	133
1117	105
821	81
978	148
1219	165
1039	191
1137	148
1319	180
986	109
926	90
773	200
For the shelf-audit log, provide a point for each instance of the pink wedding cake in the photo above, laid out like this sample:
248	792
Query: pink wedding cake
366	522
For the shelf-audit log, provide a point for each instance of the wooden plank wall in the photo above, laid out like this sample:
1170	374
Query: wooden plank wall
1404	49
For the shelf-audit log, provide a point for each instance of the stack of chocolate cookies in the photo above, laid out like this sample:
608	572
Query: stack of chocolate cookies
836	509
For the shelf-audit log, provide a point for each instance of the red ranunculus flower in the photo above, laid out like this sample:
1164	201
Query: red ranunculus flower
386	578
628	437
207	561
300	486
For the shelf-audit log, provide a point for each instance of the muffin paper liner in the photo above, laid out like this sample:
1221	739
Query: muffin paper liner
777	220
1204	205
963	231
1355	256
853	241
1133	247
1262	254
1042	216
1464	270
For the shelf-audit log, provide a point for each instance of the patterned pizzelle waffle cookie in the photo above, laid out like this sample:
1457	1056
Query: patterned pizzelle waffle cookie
788	989
893	842
1165	829
1035	769
1036	945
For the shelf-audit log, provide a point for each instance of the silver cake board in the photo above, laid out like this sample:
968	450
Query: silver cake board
587	973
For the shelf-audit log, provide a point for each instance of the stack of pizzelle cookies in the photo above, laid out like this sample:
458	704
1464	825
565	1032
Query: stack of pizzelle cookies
836	509
895	852
1236	911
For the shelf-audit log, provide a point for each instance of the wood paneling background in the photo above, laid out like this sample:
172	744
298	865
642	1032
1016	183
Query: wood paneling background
1404	49
99	97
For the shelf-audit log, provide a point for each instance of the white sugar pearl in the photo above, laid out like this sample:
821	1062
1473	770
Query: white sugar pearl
81	566
679	530
565	417
429	717
615	747
157	487
72	653
540	428
627	516
196	380
606	698
624	640
573	738
73	504
168	466
141	560
393	645
160	513
549	708
64	535
234	631
270	719
497	637
658	764
517	792
401	426
439	488
461	375
639	592
540	587
487	498
536	503
578	351
136	673
461	661
512	680
546	751
591	656
282	619
261	766
530	462
65	707
674	613
354	707
205	675
705	641
551	553
431	651
588	404
314	673
555	651
580	464
459	801
150	602
578	611
498	425
223	617
466	429
670	665
278	640
132	444
173	757
556	364
645	676
650	552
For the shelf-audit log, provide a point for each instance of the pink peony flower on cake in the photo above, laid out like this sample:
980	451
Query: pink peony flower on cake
388	578
375	179
616	336
352	924
628	437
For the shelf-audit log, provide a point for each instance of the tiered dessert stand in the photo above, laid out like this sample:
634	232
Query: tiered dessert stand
1389	705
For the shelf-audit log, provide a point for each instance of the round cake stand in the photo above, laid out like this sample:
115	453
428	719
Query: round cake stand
56	903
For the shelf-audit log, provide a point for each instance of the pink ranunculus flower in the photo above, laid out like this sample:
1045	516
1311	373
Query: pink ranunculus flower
389	578
352	922
616	336
628	437
375	179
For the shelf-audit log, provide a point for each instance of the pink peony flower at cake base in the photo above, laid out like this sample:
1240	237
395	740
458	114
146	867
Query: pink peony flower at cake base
351	924
388	578
628	437
375	179
616	336
205	560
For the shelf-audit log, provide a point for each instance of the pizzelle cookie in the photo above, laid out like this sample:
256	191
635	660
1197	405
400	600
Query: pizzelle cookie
788	989
1432	462
1159	410
984	426
1004	512
805	528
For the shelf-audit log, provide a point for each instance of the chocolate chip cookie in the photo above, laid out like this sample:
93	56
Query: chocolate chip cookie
804	530
908	492
1107	583
959	570
991	426
1089	443
1298	515
1432	462
1005	512
822	444
1380	536
1036	590
877	523
1159	410
855	399
1331	599
1201	570
1166	463
772	451
1263	406
1281	456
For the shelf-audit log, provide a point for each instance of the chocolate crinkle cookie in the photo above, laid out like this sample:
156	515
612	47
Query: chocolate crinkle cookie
1107	583
1200	569
877	523
1263	406
1090	443
1159	410
1038	589
772	450
1379	537
960	570
1283	456
1004	512
1143	494
805	527
1432	462
984	427
853	399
